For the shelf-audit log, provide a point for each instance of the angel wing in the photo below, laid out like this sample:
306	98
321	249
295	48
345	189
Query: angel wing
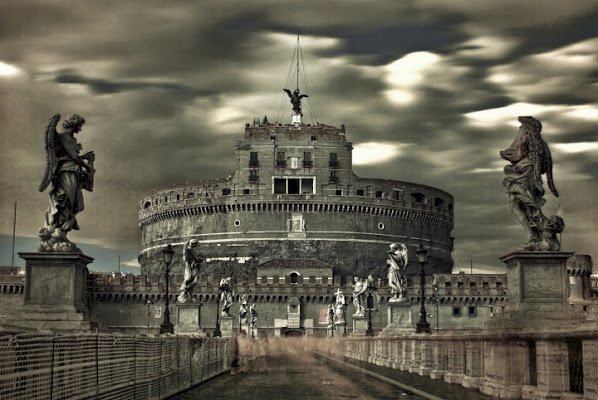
542	162
50	143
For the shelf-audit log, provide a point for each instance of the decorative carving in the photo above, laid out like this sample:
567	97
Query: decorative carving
530	158
397	262
191	274
68	173
296	100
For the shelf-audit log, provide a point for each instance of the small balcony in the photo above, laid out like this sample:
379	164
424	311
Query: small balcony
334	164
308	164
281	163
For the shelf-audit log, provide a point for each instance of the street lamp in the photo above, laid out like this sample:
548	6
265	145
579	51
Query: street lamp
370	304
217	332
422	324
166	326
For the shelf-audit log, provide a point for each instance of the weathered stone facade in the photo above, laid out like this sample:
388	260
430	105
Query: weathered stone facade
293	194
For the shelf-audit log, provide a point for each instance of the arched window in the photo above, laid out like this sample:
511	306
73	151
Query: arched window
438	202
418	198
147	205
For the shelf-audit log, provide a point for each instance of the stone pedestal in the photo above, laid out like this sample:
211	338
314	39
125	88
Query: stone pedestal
189	319
55	293
537	292
399	318
226	326
340	330
360	325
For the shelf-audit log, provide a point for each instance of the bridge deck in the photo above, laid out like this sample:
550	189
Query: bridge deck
299	375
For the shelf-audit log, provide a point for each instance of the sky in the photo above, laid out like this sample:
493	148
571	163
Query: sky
429	92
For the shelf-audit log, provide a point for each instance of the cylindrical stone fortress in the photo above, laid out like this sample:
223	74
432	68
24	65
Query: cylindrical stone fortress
293	194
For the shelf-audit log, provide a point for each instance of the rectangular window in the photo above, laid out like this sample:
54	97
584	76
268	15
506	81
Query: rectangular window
333	161
339	192
307	160
397	194
253	176
307	186
293	185
333	178
253	161
456	311
280	186
281	161
471	310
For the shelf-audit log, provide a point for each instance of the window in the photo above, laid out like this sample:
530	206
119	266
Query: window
245	191
456	311
253	176
397	194
178	197
339	192
484	284
281	161
379	194
307	163
438	202
459	284
471	310
418	198
285	185
472	284
226	192
293	186
294	278
253	161
294	162
447	284
333	161
359	192
314	138
147	205
190	195
333	178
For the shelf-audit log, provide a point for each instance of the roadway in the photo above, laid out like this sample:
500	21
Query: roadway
296	373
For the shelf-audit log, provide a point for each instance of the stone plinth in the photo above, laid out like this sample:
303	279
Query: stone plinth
189	319
399	318
537	293
360	325
55	293
226	326
537	279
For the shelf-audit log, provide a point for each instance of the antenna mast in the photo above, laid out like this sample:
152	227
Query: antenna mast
298	61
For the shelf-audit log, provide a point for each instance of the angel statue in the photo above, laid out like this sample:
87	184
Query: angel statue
253	313
191	273
243	310
530	159
296	99
68	173
397	262
226	296
359	288
330	315
340	307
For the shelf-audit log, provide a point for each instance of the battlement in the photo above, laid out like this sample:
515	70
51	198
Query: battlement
276	131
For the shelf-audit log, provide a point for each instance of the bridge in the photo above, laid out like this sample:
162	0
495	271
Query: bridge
108	366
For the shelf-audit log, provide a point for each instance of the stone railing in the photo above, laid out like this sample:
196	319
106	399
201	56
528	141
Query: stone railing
529	366
102	366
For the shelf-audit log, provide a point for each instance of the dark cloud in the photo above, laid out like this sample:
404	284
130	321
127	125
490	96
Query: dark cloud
167	88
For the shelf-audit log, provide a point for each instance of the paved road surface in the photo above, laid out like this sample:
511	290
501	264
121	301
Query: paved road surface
297	378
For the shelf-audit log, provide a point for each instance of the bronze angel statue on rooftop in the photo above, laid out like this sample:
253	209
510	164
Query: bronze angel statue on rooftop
530	158
68	173
296	99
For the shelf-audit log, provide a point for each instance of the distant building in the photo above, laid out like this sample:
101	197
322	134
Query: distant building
293	194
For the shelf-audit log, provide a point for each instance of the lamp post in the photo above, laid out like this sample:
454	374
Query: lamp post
422	324
217	332
370	304
166	326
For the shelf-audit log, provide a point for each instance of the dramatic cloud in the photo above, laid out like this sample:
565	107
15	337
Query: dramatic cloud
429	91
